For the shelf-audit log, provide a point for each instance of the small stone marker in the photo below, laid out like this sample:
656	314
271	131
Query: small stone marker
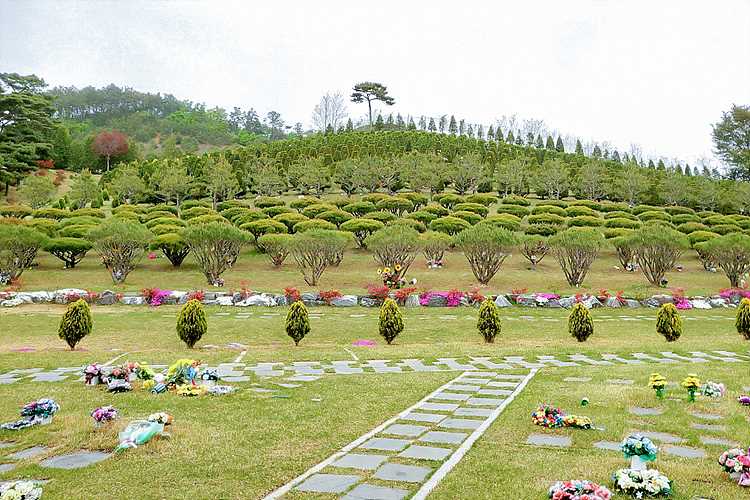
360	461
683	451
404	473
643	412
28	453
706	416
708	427
717	441
328	483
6	444
661	436
607	445
425	452
372	492
549	440
6	468
75	460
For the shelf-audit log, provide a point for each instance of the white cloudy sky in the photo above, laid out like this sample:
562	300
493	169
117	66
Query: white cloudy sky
657	73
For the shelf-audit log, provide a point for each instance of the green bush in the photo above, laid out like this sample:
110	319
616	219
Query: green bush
726	229
517	210
488	323
668	322
359	208
316	249
437	210
417	199
476	208
391	323
576	249
394	246
78	221
165	229
657	249
158	214
625	248
680	219
162	207
507	221
449	199
715	220
731	253
609	207
69	250
384	217
233	212
76	323
593	205
620	215
45	226
622	223
548	209
422	216
584	221
187	205
742	323
617	232
297	322
395	205
374	198
659	223
190	213
700	236
434	245
542	229
554	203
307	225
639	209
675	210
449	225
485	247
264	226
192	324
129	208
545	219
225	205
249	216
19	211
469	217
88	212
580	323
207	219
120	244
361	229
278	210
51	213
302	203
578	211
706	213
312	211
268	201
276	247
691	227
19	246
290	220
215	246
336	217
165	221
172	246
654	215
515	200
414	224
482	198
534	248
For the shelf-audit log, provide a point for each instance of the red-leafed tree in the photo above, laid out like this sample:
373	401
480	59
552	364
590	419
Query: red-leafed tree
109	144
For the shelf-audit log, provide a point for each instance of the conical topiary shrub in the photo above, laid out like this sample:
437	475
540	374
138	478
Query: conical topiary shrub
391	322
488	323
76	323
580	324
743	319
297	321
192	323
668	322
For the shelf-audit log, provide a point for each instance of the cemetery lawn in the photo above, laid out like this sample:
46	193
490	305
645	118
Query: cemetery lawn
247	444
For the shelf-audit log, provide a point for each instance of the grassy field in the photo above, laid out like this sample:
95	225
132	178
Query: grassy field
254	271
246	445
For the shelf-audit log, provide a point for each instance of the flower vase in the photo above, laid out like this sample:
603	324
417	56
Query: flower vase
93	381
637	463
45	420
660	392
691	396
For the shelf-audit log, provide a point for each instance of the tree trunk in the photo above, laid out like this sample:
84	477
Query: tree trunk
369	107
107	163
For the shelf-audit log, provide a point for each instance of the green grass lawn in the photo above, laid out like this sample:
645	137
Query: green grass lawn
254	271
247	444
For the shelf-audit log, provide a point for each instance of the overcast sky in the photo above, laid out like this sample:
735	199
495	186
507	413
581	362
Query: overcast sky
657	73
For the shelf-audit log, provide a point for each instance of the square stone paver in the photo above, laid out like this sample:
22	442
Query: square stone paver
549	440
460	423
6	468
494	392
473	412
28	453
608	445
500	383
484	402
443	437
644	412
405	430
664	437
404	473
371	492
75	460
423	417
360	461
464	388
477	381
713	441
709	427
438	406
6	444
328	483
683	451
706	416
386	444
425	452
450	396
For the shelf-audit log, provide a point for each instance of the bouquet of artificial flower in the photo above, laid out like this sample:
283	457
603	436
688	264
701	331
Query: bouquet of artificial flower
744	400
657	382
20	490
737	463
692	383
183	371
143	371
642	483
640	446
713	389
119	385
104	414
43	408
161	418
577	421
551	417
120	372
191	390
93	374
578	490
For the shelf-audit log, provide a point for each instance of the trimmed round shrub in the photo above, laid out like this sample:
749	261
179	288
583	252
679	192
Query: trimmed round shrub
469	217
585	221
395	205
316	249
515	200
555	203
414	224
476	208
172	246
249	216
706	213
165	221
742	322
449	225
384	217
129	215
548	209
675	210
207	219
546	219
622	223
290	220
534	248
434	245
691	227
624	246
609	207
76	323
437	210
215	246
657	249
297	323
726	228
88	212
44	226
517	210
51	213
359	208
417	199
361	229
374	198
78	221
507	221
336	217
422	216
232	212
277	210
668	322
192	324
680	219
162	207
617	232
542	229
654	215
488	322
485	247
593	205
225	205
660	223
308	225
731	253
715	220
701	236
302	203
120	244
639	209
264	226
620	215
276	247
576	249
19	246
268	201
187	205
394	247
313	211
157	215
391	324
580	323
165	229
129	208
448	200
69	250
191	213
578	211
482	199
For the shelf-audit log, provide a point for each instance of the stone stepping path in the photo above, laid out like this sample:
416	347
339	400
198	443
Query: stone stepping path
311	370
435	433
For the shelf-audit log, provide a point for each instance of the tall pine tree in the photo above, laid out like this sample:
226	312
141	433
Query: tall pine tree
550	144
452	127
579	147
560	148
